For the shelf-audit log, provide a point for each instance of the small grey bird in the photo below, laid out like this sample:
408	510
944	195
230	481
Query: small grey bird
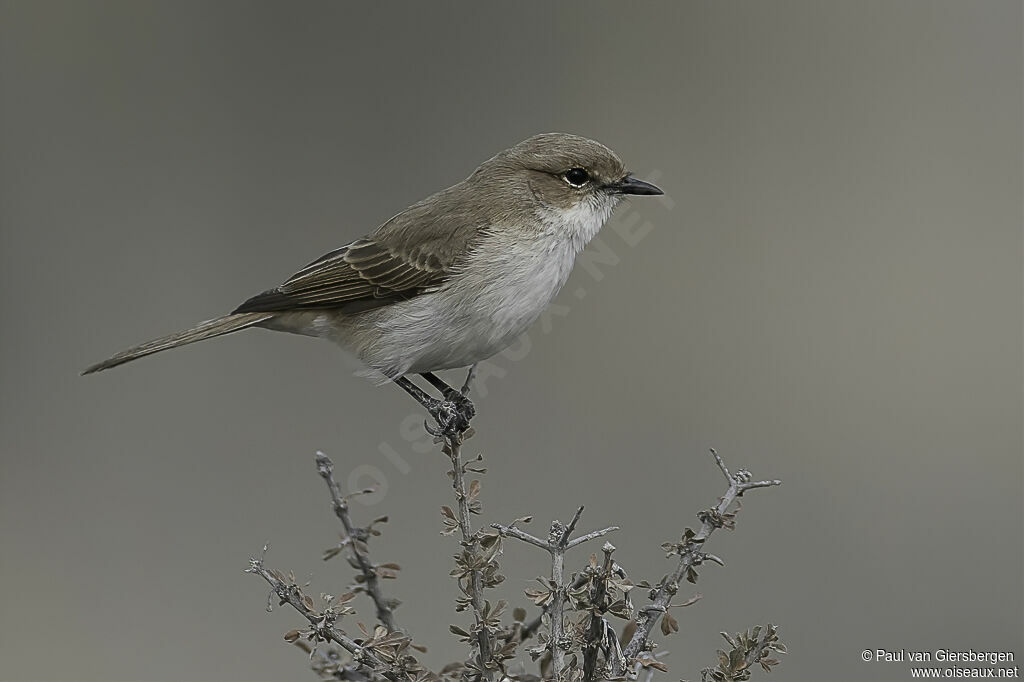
451	280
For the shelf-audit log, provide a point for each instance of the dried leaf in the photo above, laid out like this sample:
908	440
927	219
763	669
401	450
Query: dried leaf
627	632
668	624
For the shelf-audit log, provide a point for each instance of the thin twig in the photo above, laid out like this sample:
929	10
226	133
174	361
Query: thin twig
563	541
647	618
591	536
513	532
596	629
385	614
290	594
557	542
472	544
530	629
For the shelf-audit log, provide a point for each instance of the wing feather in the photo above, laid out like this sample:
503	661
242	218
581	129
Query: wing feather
413	253
359	276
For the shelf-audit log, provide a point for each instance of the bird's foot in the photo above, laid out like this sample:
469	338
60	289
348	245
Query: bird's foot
452	414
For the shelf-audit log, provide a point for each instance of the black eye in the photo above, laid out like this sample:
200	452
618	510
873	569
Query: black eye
577	177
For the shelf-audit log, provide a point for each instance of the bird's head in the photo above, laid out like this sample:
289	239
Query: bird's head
565	177
564	169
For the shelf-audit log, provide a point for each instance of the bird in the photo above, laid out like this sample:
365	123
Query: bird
451	280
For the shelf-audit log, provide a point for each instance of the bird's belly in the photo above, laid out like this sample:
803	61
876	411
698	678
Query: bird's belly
471	330
475	315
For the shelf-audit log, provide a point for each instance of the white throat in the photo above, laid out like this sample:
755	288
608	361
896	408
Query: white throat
579	224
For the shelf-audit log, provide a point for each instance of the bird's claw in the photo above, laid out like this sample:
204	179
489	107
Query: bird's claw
452	415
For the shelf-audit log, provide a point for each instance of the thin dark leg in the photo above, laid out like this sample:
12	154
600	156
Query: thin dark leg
438	383
467	384
452	414
418	393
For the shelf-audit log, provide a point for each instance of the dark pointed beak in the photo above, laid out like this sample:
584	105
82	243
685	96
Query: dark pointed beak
630	185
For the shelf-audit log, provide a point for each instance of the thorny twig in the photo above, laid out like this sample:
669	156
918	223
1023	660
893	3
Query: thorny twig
470	540
530	629
556	545
690	555
381	655
356	538
597	627
748	648
559	538
323	626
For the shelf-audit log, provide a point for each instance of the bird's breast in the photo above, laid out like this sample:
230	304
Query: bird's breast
508	285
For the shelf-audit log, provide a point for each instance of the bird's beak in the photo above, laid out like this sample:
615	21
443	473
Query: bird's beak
630	185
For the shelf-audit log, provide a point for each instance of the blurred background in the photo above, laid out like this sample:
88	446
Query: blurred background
830	293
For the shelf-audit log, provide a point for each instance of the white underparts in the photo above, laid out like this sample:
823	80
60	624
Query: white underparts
507	281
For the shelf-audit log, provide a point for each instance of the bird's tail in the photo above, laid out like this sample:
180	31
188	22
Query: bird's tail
200	332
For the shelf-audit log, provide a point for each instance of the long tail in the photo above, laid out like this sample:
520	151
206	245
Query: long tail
202	331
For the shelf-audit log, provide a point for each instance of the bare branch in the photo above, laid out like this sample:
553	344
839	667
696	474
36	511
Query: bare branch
647	618
591	536
325	630
356	536
581	645
470	540
596	630
564	540
558	600
557	544
513	532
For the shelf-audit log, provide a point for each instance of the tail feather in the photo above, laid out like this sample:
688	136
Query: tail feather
202	331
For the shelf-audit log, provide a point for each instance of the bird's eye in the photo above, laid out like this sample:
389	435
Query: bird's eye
577	177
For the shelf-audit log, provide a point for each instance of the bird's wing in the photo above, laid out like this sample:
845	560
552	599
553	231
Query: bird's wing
377	270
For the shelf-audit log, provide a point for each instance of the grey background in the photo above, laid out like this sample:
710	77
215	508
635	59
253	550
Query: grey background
832	295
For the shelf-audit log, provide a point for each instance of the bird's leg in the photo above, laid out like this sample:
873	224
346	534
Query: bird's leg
451	414
457	400
438	383
441	411
428	403
467	384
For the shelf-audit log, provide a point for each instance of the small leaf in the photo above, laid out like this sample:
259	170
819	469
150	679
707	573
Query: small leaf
627	632
291	635
668	624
